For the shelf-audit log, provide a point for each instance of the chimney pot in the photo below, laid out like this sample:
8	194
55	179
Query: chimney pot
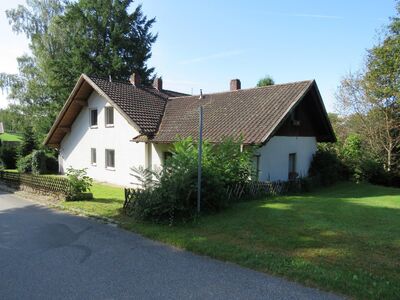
157	83
135	79
235	85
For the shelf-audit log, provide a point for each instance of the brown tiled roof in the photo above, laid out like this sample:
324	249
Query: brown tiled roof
165	116
144	105
252	113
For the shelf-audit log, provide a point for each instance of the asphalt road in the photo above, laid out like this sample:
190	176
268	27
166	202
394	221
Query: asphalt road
45	254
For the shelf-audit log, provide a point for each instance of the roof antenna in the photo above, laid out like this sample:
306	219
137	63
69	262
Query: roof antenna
109	78
201	94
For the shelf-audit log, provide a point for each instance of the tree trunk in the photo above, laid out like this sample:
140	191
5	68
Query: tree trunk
389	160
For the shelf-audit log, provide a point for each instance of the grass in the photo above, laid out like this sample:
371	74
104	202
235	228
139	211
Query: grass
344	238
8	137
107	201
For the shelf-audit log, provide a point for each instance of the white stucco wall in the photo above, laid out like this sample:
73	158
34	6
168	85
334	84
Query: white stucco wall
158	151
75	149
76	145
274	157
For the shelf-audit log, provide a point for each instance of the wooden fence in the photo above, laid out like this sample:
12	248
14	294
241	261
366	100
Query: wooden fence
254	189
43	183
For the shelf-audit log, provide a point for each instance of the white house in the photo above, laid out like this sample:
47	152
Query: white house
110	126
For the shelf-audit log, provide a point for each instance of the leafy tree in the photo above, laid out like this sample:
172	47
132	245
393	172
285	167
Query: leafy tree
382	86
378	122
267	80
70	38
373	96
13	119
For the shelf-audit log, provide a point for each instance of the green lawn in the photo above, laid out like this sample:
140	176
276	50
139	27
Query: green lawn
8	137
345	238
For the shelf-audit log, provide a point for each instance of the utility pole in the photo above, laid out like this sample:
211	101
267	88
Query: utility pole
200	153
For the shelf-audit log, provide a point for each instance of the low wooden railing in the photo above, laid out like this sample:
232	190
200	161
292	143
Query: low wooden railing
43	183
241	191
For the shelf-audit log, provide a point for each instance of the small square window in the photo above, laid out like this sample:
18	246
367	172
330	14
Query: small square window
109	113
93	118
110	159
93	156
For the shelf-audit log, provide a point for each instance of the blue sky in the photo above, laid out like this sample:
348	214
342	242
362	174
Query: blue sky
204	44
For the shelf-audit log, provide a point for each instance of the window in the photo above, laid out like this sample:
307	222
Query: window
93	157
109	113
292	166
110	159
93	118
256	164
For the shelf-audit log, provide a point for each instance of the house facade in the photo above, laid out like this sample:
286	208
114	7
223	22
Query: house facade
109	127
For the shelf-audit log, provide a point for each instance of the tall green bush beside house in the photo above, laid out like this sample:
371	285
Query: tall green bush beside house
39	162
172	197
24	164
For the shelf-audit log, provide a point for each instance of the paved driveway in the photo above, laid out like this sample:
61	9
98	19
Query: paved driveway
46	254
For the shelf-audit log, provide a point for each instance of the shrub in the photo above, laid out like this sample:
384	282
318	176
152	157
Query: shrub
8	155
173	195
24	164
327	166
79	181
39	162
51	164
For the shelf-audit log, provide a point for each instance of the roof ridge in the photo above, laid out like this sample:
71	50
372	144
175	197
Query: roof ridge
248	89
108	79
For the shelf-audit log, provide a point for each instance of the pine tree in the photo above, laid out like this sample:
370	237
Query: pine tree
71	38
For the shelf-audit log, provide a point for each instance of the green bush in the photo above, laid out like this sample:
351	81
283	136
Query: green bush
172	196
327	166
24	164
51	164
39	162
8	155
79	181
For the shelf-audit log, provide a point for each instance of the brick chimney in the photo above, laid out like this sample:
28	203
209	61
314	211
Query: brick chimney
157	83
135	79
235	85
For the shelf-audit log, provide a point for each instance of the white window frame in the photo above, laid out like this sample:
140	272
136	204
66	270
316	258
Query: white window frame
106	121
90	117
112	168
93	162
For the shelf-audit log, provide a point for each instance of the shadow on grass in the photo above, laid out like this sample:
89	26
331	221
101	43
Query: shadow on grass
353	190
